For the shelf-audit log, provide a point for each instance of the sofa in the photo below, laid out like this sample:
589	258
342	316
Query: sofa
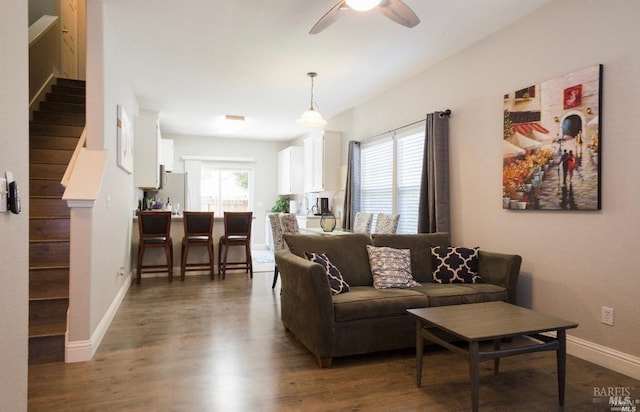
368	319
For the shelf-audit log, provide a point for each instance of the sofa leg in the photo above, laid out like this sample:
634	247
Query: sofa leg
324	362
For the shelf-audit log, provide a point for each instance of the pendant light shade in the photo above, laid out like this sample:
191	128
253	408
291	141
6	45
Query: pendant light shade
362	5
311	117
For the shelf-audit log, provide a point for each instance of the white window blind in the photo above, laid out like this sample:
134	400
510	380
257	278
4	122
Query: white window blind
409	175
391	170
376	178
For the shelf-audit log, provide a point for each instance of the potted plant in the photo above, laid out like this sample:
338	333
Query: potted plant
281	206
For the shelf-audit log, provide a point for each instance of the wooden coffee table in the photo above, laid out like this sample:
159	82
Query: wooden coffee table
490	321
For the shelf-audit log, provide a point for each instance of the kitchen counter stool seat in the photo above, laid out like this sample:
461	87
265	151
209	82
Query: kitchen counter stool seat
198	232
154	229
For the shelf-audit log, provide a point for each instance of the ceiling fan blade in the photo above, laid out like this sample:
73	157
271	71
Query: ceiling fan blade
329	17
399	12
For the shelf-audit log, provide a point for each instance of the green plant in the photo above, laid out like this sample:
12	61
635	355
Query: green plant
281	206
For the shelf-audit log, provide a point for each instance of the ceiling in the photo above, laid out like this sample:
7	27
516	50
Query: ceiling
196	61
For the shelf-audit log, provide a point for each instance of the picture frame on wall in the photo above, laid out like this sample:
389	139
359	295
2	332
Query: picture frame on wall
552	143
125	140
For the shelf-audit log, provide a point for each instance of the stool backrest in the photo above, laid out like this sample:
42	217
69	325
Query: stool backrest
238	224
154	224
276	230
387	223
289	223
362	222
198	224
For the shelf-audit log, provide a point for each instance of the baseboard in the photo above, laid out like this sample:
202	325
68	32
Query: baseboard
601	355
82	351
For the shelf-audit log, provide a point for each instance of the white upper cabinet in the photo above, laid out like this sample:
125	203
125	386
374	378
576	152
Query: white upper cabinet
322	162
290	171
146	166
166	154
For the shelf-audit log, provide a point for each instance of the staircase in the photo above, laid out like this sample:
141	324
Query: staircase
53	135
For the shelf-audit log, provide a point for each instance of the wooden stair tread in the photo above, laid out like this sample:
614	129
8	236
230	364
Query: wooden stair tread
48	267
38	331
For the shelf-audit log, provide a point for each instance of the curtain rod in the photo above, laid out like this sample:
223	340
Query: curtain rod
444	113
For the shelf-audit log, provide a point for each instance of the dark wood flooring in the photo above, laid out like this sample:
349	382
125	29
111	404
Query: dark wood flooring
203	345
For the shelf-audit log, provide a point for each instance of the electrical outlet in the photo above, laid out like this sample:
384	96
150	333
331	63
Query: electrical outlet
121	271
607	315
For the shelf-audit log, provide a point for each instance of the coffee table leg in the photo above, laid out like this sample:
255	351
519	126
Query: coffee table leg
419	353
562	363
474	374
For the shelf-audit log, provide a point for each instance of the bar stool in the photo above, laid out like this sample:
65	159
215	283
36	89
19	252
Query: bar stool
154	229
198	232
237	232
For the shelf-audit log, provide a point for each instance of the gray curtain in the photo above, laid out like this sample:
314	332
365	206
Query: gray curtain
352	187
433	210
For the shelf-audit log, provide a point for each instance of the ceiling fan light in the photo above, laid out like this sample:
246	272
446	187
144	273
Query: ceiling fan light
311	118
362	5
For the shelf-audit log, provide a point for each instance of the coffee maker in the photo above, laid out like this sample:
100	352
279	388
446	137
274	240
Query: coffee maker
322	206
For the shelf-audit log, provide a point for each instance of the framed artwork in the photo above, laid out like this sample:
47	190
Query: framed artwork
125	141
551	144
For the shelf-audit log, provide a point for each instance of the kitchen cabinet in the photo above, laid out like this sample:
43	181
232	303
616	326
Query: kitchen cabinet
146	166
290	171
322	162
166	154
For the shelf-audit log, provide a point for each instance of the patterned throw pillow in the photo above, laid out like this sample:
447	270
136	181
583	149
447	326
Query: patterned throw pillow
391	268
455	264
336	282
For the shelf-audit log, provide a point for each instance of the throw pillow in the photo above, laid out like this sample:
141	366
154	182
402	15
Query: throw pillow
336	282
391	268
455	264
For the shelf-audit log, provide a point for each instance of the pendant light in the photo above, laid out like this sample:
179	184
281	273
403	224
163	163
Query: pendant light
362	5
311	117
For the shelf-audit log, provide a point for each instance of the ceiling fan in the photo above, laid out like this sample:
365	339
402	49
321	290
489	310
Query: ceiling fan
396	10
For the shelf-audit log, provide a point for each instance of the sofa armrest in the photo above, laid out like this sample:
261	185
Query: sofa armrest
306	302
500	269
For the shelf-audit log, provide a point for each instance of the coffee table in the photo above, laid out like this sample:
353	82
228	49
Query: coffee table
490	321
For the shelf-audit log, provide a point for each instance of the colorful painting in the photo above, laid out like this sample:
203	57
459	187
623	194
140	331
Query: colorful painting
125	141
551	144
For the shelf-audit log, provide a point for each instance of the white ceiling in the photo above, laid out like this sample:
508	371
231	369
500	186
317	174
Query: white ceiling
196	60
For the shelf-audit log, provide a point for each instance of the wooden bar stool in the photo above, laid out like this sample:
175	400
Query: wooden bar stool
154	229
198	232
237	232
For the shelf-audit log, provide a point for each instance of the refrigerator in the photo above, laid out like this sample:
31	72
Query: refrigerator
176	188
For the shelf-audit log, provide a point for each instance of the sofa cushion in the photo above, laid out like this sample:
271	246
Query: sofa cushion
390	268
348	253
336	282
460	293
455	264
365	302
420	246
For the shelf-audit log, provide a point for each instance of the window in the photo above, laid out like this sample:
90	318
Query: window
218	186
391	170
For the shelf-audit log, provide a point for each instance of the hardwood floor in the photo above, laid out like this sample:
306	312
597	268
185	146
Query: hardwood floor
203	345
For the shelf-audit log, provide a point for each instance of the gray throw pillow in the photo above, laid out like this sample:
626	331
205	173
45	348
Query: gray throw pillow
391	268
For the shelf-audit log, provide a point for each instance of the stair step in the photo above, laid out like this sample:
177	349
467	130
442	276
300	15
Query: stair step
63	107
53	142
48	254
52	129
47	171
59	118
49	283
46	349
55	156
49	228
46	187
65	89
48	207
65	98
43	313
61	81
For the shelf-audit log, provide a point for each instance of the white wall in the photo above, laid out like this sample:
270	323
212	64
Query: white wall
14	229
573	262
265	172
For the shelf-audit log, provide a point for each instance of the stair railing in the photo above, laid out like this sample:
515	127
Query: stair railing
82	142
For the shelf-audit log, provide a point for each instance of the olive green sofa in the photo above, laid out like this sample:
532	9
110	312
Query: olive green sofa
367	319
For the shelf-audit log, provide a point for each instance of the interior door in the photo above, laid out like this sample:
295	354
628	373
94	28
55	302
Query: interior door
69	36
